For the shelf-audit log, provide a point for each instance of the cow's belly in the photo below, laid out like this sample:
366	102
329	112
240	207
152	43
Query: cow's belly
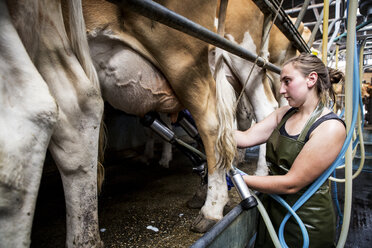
129	82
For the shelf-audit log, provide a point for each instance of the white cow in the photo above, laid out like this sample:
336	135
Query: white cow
42	68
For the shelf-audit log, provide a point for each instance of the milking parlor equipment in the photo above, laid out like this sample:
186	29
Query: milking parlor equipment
216	237
198	159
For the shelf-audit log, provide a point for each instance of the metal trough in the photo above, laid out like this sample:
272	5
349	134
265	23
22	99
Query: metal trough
236	230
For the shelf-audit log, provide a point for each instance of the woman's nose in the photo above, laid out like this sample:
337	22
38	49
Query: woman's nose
282	89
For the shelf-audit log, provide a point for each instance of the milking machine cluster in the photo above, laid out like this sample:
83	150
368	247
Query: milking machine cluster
153	121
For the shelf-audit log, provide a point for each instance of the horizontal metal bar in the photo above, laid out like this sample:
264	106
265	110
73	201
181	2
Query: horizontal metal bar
235	229
312	6
209	236
357	28
163	15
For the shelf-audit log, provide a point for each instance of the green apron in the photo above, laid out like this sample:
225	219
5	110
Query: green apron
317	213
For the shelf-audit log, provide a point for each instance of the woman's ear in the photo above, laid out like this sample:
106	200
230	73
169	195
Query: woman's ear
312	78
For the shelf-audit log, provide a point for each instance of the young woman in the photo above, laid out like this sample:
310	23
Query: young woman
303	139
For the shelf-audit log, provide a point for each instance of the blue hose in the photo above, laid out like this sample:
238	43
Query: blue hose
314	187
305	235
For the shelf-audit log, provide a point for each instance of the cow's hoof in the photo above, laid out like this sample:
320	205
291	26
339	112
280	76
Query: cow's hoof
202	224
197	201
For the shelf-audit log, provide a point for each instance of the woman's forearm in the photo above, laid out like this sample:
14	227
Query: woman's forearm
280	184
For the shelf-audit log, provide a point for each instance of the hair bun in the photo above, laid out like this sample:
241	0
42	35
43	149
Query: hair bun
335	76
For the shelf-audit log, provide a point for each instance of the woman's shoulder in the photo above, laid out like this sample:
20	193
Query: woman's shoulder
329	115
329	124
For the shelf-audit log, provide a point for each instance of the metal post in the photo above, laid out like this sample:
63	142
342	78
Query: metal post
302	13
315	30
350	43
325	31
283	23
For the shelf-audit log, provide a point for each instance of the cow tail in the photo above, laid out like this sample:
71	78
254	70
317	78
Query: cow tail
79	40
226	109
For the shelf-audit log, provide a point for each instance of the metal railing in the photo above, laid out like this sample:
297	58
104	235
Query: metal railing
167	17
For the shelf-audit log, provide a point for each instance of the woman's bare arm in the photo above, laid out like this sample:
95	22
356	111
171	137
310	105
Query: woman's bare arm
260	132
317	155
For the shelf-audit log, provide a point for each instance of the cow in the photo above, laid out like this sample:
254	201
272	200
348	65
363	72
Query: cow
130	52
50	98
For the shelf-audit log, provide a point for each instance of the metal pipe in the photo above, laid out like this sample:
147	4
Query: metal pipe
237	214
313	6
325	31
357	28
315	30
159	13
337	50
336	23
222	18
302	13
350	46
283	23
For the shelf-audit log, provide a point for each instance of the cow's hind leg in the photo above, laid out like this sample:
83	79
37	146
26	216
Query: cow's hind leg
74	144
74	147
28	113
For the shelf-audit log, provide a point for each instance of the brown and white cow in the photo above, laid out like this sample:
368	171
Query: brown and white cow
136	58
50	97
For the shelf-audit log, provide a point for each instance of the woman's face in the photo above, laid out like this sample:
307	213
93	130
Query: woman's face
293	85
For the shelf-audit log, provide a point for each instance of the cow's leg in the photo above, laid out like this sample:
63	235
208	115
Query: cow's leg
217	195
263	105
166	154
203	109
74	147
74	144
28	113
259	93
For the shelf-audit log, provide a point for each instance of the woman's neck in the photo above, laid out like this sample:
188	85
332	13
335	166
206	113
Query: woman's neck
309	106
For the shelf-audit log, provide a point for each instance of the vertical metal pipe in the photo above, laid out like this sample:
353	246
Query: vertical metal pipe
264	51
337	24
350	45
222	17
337	51
315	30
325	31
302	13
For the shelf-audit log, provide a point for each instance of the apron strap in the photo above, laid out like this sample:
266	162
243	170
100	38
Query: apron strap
287	115
314	116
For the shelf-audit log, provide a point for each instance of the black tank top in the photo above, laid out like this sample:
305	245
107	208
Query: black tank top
329	116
